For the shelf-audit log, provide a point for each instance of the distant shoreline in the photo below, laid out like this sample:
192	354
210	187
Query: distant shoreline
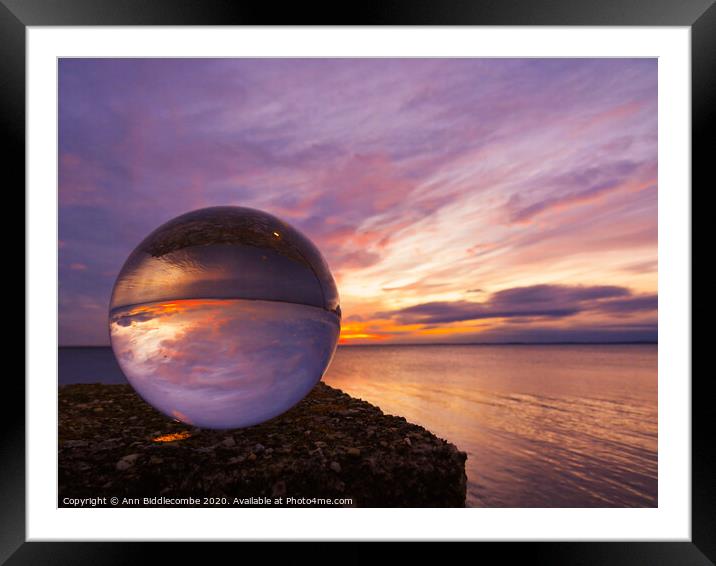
633	343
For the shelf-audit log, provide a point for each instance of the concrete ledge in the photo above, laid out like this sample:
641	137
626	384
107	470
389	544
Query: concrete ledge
329	446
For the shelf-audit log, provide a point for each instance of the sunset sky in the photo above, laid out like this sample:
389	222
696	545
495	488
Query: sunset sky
455	200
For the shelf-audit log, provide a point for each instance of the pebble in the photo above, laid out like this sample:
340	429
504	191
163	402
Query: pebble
127	462
353	451
229	442
278	489
407	441
336	467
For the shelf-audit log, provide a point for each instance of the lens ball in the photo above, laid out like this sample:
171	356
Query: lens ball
224	317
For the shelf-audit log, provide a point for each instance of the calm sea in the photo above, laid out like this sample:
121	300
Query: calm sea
543	426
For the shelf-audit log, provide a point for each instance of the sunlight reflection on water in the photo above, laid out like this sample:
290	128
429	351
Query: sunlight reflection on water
543	426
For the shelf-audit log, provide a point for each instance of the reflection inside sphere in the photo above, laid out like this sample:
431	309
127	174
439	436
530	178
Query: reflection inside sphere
224	317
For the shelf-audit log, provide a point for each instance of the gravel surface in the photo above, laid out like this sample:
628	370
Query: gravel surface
329	446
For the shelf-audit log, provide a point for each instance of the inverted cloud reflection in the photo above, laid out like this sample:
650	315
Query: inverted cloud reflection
223	363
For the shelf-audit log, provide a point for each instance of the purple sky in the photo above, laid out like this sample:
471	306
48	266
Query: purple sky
454	199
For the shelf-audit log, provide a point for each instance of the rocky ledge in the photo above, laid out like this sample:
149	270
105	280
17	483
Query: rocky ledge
330	446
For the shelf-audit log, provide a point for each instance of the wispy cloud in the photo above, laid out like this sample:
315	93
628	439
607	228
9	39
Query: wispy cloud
419	179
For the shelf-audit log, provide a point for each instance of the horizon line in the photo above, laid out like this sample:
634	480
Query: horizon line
511	343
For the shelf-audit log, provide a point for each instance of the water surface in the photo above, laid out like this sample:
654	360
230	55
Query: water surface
543	426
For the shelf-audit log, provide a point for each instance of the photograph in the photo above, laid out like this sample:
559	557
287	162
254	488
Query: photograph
366	282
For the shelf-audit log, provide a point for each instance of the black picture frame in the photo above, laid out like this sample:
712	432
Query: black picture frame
17	15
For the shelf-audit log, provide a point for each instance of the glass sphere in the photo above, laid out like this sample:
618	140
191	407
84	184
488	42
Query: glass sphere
224	317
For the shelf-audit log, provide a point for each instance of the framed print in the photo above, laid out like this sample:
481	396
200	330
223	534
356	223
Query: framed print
424	276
